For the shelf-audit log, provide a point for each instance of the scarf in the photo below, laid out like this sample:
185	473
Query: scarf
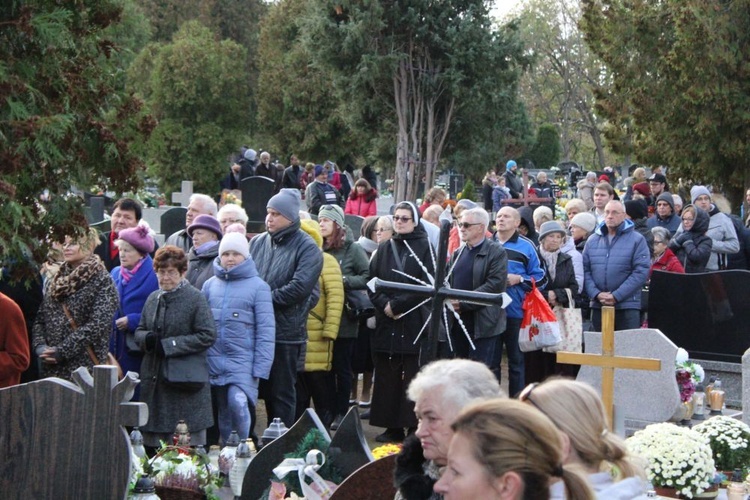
127	274
69	280
367	244
551	259
207	246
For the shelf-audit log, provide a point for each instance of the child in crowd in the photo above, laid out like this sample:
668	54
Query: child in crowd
499	193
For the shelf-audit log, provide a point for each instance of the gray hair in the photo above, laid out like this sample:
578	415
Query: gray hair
661	233
479	215
591	175
205	201
236	210
461	381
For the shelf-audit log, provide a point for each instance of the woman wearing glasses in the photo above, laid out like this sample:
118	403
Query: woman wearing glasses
691	246
400	317
577	411
176	330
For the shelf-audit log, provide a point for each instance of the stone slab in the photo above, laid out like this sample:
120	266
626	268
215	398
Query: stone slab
731	379
256	191
373	481
349	449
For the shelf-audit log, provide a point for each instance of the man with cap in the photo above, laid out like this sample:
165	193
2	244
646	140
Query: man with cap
320	192
200	204
637	211
206	233
720	229
658	185
512	181
616	262
665	215
290	261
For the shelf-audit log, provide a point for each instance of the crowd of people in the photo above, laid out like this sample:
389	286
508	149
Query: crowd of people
213	321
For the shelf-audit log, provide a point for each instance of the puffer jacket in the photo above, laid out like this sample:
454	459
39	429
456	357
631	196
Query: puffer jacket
355	271
245	327
324	319
693	248
201	267
620	267
290	262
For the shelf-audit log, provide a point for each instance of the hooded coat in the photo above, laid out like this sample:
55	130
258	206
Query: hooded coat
693	248
586	192
527	219
201	267
245	327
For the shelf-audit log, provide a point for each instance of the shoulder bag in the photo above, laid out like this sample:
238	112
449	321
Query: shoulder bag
110	361
570	321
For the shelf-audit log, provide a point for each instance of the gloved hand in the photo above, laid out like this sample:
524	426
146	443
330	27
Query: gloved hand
681	238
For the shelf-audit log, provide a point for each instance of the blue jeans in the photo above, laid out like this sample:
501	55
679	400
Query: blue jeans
279	391
234	411
516	377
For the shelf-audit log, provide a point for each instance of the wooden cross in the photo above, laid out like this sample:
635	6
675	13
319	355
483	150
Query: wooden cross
608	361
183	196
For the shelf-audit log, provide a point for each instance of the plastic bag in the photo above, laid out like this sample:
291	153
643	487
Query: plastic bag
539	328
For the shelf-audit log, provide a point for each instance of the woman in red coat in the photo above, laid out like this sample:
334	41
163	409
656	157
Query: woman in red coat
362	200
664	259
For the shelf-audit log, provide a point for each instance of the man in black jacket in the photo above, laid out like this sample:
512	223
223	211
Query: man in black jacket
290	262
480	264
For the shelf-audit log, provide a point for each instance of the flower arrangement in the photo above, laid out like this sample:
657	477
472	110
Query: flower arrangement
230	197
729	439
386	449
688	375
677	457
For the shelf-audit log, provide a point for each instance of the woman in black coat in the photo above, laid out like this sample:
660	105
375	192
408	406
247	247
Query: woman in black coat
539	365
395	354
691	245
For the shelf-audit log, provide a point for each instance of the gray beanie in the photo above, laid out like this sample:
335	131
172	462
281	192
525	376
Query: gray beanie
332	212
697	191
667	197
286	202
236	242
549	227
585	220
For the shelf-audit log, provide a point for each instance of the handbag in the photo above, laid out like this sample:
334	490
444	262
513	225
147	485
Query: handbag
539	327
188	373
358	305
570	321
110	361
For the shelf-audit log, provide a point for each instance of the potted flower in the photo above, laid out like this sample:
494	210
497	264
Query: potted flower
680	462
689	375
729	439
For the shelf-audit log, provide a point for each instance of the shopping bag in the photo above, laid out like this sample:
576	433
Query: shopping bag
570	322
539	327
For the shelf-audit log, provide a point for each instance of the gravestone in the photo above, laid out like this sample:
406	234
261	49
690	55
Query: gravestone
354	222
373	481
62	440
172	220
103	226
183	196
256	191
746	386
94	209
640	397
349	449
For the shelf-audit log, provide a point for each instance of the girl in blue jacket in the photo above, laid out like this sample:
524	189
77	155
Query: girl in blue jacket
246	330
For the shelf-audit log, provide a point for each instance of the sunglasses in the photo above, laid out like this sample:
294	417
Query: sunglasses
398	218
467	225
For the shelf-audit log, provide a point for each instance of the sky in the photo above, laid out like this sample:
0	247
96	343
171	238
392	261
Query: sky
503	7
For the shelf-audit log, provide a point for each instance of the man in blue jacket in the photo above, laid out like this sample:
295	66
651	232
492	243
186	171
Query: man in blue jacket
523	266
616	262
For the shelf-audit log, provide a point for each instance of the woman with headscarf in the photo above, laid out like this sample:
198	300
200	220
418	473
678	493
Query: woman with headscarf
74	321
399	319
691	246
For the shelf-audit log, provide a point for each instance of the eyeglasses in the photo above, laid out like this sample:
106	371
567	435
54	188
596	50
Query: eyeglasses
398	218
658	242
687	219
383	229
171	273
467	225
230	221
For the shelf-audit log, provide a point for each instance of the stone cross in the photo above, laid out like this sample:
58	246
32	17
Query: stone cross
440	292
183	196
608	361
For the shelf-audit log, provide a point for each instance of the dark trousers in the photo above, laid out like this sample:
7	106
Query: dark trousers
509	338
317	386
625	319
486	350
390	406
279	390
343	350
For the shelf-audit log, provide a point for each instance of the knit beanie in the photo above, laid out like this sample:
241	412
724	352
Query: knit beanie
636	209
286	202
666	196
236	242
140	237
584	220
642	188
549	227
697	191
319	170
332	212
205	221
510	164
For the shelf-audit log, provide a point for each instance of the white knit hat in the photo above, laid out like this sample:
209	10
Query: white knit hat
236	242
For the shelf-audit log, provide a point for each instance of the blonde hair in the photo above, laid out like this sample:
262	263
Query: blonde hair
576	409
509	436
88	241
639	174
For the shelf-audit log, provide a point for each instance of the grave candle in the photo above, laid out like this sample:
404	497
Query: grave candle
717	398
699	403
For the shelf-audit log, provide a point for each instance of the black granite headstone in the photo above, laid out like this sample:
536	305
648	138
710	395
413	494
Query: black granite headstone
349	449
354	222
173	220
707	314
372	481
94	210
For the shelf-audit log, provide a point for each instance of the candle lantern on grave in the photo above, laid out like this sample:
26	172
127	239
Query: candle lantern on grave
181	436
275	429
228	453
144	489
716	399
136	442
245	454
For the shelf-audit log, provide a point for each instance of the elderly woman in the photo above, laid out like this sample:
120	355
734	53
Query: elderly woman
362	200
577	411
664	259
135	280
175	332
581	227
505	449
231	214
384	229
399	319
74	321
206	233
574	207
440	391
561	275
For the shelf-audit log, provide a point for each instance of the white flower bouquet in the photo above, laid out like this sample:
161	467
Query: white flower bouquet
729	439
677	457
